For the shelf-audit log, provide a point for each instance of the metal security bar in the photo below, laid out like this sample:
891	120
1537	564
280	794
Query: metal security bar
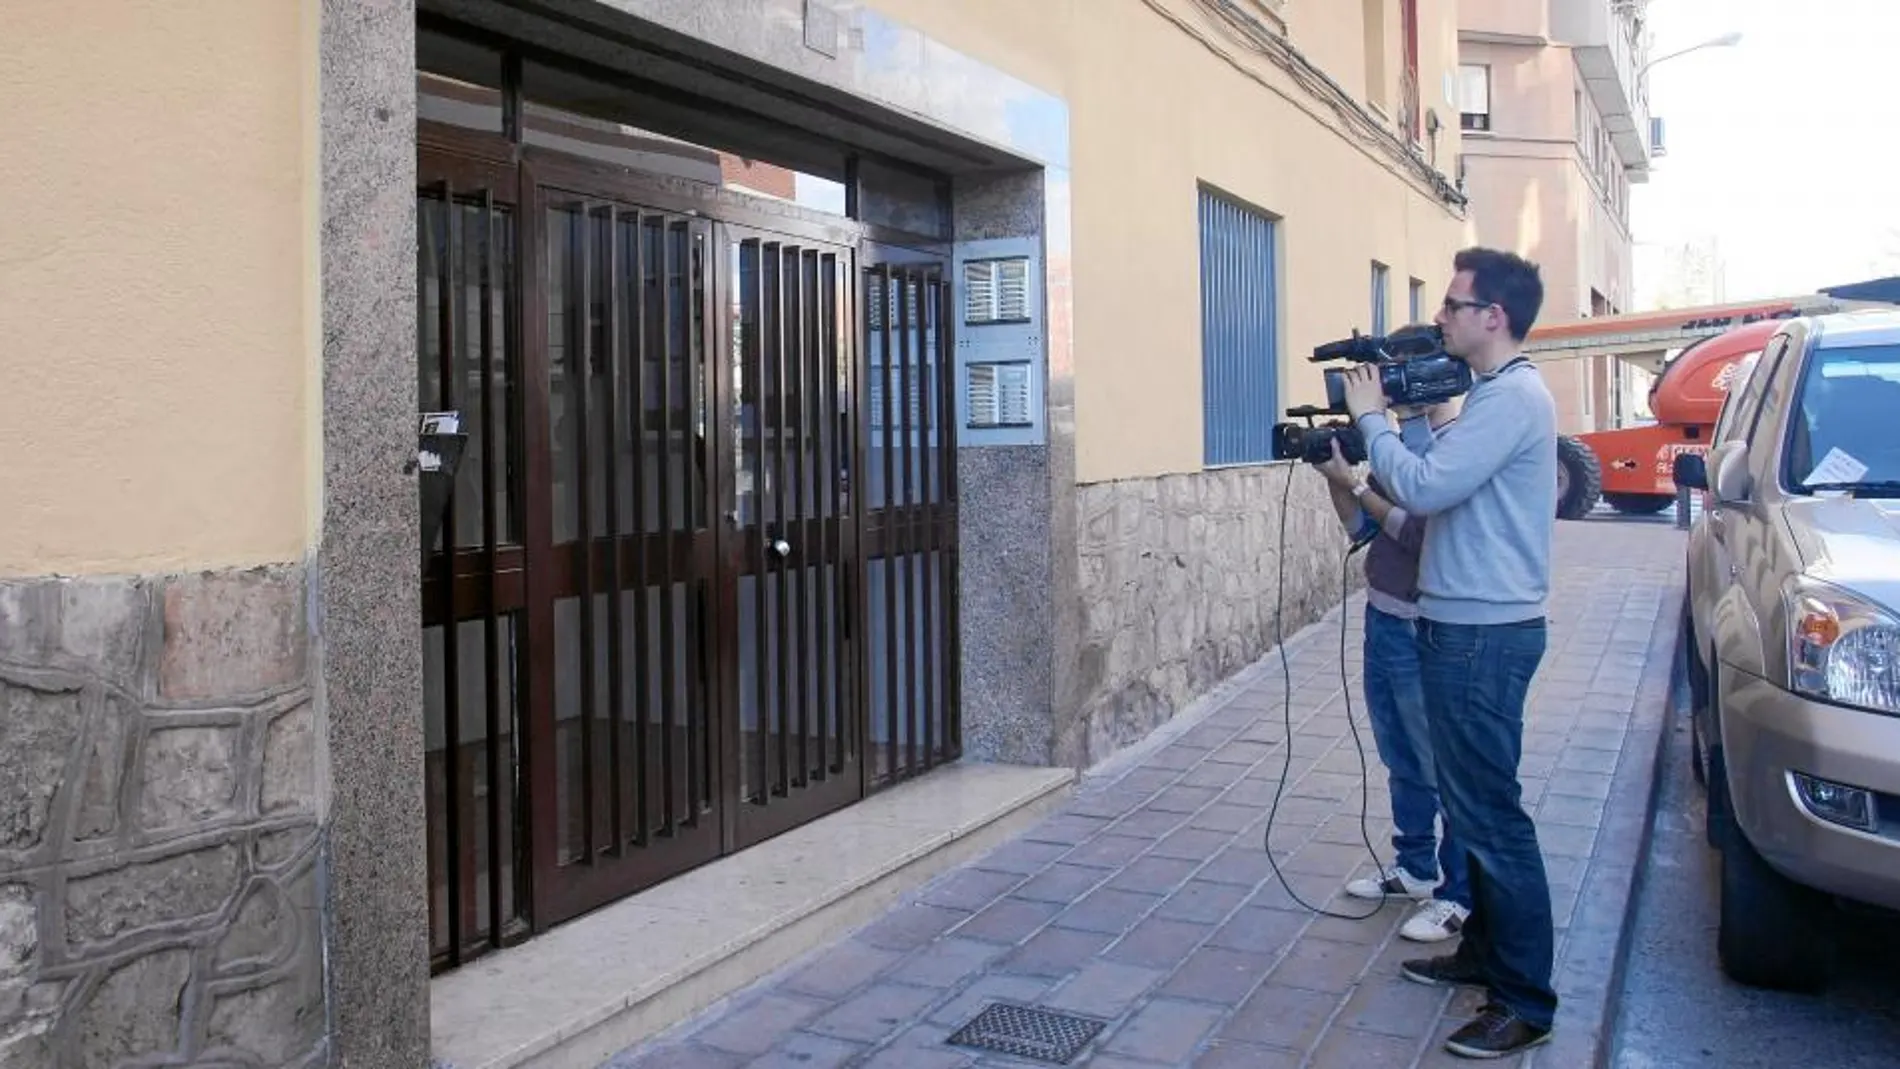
795	530
910	524
472	588
634	565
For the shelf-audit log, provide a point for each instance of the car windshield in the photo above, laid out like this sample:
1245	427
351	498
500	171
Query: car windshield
1843	436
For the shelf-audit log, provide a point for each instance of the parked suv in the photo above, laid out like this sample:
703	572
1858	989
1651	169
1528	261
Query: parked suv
1792	641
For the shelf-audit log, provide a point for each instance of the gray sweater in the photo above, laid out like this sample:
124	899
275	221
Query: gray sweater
1489	484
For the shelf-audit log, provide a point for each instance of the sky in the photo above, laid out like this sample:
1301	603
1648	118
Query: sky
1785	148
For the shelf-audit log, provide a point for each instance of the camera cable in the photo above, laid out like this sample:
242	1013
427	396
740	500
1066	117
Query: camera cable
1286	711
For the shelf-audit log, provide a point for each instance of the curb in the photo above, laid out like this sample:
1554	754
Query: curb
1671	707
1597	950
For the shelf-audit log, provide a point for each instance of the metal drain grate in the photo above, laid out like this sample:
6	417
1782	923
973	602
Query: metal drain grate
1026	1032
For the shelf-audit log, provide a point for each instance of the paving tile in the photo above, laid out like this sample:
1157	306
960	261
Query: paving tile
1009	921
948	962
803	1051
1193	844
1213	774
757	1026
842	969
1164	1030
963	1007
1219	975
1067	829
1392	1005
1062	883
1149	822
1241	752
1054	952
876	1012
676	1057
1260	930
1325	859
1154	875
1279	1016
911	926
1109	851
1247	1056
1569	810
1201	902
1147	778
1184	798
1224	816
1576	758
1322	965
1104	989
970	889
1344	1048
1177	757
1158	943
1559	840
1112	802
1021	856
921	1047
1244	863
1107	910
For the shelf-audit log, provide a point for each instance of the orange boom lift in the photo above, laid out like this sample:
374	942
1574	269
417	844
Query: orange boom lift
1629	468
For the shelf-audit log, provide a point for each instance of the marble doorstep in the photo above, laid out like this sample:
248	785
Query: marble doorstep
598	984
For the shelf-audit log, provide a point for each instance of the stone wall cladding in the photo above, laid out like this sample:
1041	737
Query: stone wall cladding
1178	580
159	842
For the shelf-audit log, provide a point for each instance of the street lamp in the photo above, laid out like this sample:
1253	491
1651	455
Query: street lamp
1727	40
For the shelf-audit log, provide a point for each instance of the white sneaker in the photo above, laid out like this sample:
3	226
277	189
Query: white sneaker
1400	884
1435	921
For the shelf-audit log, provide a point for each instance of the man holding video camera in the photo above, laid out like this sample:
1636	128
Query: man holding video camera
1395	697
1488	487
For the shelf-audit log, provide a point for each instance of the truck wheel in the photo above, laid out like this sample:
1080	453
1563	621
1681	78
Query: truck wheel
1579	479
1639	504
1771	933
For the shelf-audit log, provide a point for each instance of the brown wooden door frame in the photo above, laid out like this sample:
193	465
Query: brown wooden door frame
533	576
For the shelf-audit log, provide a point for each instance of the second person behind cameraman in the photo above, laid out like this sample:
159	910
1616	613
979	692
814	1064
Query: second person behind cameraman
1395	693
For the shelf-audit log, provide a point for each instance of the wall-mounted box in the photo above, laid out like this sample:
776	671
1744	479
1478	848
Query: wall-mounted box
1001	359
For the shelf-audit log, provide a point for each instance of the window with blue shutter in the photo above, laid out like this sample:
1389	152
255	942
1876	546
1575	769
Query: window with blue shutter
1240	352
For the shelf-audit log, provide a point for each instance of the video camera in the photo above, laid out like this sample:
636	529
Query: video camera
1414	369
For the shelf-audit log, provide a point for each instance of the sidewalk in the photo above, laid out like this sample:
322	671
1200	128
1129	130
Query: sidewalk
1148	903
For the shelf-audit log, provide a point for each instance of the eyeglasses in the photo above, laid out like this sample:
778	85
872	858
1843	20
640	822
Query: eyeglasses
1453	304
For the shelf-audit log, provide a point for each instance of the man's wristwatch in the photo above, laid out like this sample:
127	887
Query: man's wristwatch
1359	490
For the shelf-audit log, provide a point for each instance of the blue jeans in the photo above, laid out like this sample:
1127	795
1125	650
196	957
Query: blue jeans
1476	679
1395	704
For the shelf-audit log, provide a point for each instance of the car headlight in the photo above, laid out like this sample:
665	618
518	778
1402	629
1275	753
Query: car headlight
1841	648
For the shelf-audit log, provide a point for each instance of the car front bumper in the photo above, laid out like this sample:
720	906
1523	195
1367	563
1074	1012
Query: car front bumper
1768	735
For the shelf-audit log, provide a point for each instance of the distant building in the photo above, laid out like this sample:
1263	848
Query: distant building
1556	129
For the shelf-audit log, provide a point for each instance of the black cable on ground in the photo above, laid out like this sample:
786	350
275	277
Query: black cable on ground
1286	711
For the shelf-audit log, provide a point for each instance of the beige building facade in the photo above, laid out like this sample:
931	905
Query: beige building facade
1556	129
309	705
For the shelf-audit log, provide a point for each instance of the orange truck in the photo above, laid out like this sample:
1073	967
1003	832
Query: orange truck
1630	468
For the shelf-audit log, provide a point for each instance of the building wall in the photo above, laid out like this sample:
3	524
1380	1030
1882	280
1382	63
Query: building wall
1176	567
1533	190
1242	126
156	409
160	889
